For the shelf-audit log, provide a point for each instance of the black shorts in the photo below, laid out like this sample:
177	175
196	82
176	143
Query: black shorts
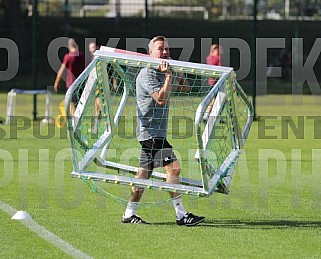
156	153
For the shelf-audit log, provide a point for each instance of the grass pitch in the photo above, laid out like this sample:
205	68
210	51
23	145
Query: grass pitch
273	209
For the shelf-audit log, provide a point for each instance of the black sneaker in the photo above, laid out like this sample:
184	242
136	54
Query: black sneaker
221	188
190	219
133	220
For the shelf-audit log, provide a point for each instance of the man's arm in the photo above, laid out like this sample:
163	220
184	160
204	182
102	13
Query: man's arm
59	76
162	95
181	84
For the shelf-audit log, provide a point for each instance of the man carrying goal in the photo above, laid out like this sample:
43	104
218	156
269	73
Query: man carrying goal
153	88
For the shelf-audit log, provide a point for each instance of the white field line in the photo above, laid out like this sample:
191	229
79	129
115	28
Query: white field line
45	234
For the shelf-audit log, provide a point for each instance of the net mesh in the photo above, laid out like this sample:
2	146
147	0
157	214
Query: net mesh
103	127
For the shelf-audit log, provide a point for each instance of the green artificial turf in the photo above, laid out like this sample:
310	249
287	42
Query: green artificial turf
273	209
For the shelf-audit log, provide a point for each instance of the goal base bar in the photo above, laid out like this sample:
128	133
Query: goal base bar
146	183
219	182
131	169
141	183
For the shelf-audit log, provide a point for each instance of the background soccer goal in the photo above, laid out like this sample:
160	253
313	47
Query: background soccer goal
12	102
102	130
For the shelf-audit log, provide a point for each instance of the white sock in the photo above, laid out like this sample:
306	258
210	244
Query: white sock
130	209
179	208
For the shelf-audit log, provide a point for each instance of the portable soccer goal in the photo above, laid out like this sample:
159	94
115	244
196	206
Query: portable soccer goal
102	129
12	102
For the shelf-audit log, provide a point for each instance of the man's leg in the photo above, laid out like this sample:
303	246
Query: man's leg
136	194
182	216
72	108
97	115
172	176
208	111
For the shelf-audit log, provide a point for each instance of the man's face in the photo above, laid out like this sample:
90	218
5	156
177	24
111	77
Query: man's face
160	50
92	48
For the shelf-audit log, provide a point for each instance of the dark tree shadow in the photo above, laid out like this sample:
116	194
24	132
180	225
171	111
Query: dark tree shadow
263	224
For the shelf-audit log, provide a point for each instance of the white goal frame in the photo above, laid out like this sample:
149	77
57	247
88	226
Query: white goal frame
97	153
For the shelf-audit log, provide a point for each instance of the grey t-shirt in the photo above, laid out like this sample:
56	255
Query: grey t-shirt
152	118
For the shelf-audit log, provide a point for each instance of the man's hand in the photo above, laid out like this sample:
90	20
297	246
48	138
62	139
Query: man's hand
164	67
56	87
59	76
181	83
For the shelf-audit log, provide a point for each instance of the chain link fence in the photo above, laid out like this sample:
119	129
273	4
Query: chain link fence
188	9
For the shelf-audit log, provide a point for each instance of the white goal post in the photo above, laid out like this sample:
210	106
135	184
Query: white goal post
101	129
11	102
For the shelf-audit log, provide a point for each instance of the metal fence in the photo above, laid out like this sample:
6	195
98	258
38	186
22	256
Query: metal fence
119	8
191	9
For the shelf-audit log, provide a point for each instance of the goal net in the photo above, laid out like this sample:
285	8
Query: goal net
102	129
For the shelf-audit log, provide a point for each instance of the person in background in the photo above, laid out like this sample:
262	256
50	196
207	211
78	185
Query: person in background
92	47
213	58
72	66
